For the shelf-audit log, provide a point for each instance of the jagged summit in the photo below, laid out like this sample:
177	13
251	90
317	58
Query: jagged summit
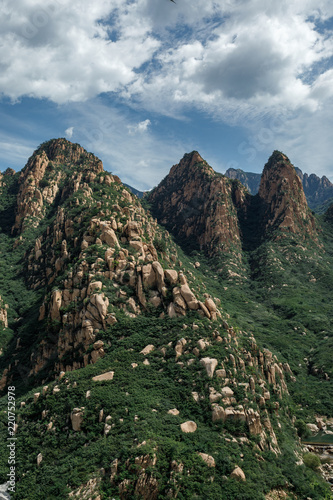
196	205
191	165
56	168
282	192
63	152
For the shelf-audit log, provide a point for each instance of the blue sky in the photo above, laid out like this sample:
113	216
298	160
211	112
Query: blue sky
141	82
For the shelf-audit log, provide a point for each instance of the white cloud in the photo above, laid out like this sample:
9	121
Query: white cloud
140	127
67	51
14	151
238	61
139	159
69	132
231	58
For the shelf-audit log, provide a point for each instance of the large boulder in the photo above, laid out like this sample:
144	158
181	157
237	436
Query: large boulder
218	413
188	426
148	276
171	276
209	364
77	418
208	459
109	237
189	297
238	474
103	376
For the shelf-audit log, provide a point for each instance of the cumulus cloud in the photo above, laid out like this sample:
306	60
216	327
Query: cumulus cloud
69	132
230	58
70	51
235	60
139	159
140	127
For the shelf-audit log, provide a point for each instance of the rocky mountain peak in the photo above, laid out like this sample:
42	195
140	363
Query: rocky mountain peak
196	205
192	164
56	168
282	193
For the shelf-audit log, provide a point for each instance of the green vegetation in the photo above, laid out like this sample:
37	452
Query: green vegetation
280	296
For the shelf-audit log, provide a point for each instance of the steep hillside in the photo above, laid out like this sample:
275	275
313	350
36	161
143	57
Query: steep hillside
137	369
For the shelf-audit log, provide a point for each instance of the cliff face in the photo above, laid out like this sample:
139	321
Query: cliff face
285	206
196	205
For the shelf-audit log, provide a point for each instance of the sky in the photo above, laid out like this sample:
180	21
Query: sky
139	83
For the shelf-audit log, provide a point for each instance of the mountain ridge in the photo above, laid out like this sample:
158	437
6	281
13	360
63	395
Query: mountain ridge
318	191
144	370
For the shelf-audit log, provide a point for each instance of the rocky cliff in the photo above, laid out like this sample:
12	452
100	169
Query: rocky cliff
198	206
285	206
98	242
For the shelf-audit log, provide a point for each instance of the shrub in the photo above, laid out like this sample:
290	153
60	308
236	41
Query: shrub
311	460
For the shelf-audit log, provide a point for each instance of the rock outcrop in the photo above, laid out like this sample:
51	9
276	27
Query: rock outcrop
3	314
285	206
196	205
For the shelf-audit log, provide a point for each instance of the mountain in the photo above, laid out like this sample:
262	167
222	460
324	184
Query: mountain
249	179
139	194
318	190
198	206
162	352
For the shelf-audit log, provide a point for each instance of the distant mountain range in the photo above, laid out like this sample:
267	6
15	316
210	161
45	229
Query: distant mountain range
318	190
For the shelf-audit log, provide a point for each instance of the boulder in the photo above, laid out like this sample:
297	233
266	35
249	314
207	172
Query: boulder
313	428
148	349
253	421
188	426
174	411
209	364
208	459
77	418
227	392
159	273
189	297
179	347
238	474
171	276
103	376
109	237
210	304
148	276
204	309
171	310
95	285
218	413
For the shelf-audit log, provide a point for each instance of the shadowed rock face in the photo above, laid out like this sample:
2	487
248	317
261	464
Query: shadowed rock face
196	205
285	205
